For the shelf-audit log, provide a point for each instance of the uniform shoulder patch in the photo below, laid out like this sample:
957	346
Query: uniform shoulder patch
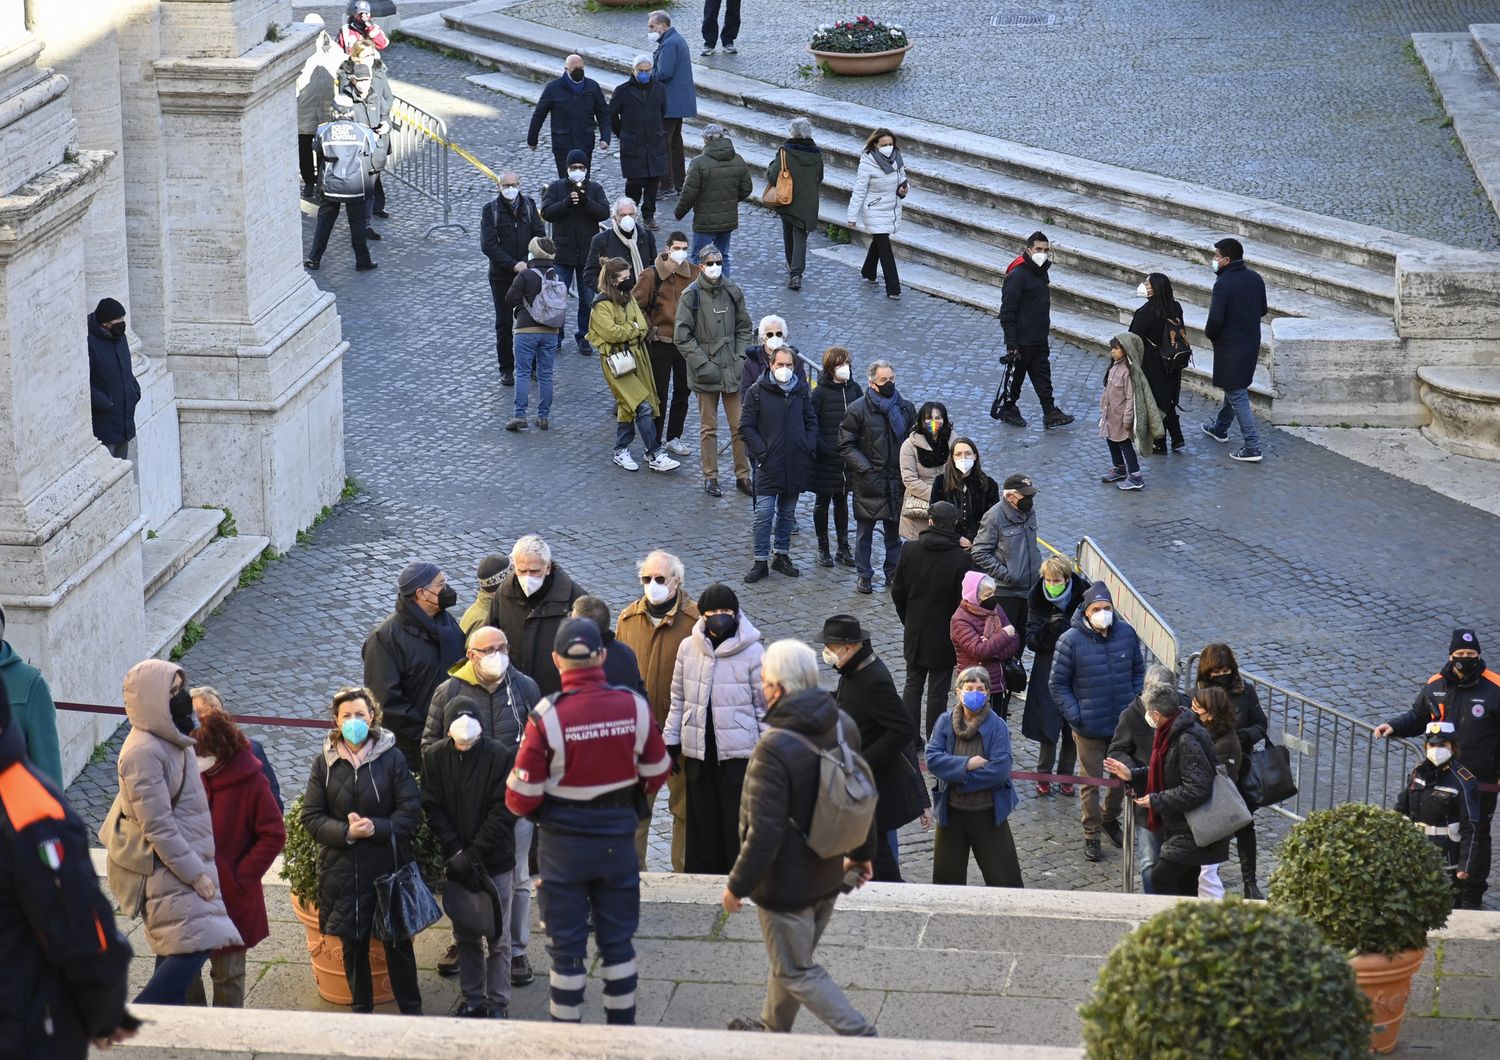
1463	774
26	799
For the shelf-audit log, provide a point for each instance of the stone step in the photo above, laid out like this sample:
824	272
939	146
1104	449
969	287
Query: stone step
1263	223
196	589
1462	71
1465	407
180	538
1123	240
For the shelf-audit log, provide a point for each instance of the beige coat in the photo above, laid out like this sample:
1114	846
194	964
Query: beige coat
1126	409
918	482
156	762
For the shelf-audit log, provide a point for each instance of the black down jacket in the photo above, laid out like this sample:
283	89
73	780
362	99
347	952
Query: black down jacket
404	664
113	390
574	227
1187	783
1026	305
382	789
530	624
774	865
872	451
505	233
831	401
463	795
638	116
780	432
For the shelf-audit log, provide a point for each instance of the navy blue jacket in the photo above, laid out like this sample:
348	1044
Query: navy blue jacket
673	66
638	115
1095	677
1239	301
780	430
831	400
113	391
621	667
575	115
574	227
951	770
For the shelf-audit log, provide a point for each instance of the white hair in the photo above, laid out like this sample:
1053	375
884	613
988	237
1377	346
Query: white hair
875	367
623	200
659	16
790	664
1157	674
673	564
533	546
800	129
767	321
643	60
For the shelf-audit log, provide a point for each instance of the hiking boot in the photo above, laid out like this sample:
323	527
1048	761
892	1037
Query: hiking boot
794	282
1114	474
781	563
825	558
1056	418
447	967
863	585
1112	829
1133	482
516	424
1012	415
758	572
1214	433
1092	850
520	971
843	557
1246	455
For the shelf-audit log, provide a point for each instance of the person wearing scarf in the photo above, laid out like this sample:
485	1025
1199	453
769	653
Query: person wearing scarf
870	439
875	205
924	452
622	238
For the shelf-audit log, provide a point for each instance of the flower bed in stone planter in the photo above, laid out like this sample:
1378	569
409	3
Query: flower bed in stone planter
860	47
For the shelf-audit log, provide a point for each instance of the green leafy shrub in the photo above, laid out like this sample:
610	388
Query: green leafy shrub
299	858
859	36
1230	980
1370	881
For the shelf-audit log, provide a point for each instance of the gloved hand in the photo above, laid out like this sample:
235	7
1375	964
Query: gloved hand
460	869
674	752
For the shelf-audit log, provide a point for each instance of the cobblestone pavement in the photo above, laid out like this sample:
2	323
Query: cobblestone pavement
1330	577
1319	105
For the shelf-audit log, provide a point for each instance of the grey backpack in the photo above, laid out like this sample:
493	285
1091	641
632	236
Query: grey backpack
844	808
550	306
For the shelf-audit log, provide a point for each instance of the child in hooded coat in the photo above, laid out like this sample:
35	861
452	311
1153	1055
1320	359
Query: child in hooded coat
1126	424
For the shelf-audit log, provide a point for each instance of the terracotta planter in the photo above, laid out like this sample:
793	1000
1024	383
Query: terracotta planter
327	952
1386	981
850	64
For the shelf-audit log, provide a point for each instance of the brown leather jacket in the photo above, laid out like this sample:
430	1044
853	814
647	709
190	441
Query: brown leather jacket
656	292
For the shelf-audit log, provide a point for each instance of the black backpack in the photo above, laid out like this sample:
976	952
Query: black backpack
1175	351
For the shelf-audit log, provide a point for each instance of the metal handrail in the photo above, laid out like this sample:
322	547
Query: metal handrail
419	158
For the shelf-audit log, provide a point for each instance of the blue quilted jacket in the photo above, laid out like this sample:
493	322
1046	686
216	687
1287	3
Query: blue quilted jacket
1095	677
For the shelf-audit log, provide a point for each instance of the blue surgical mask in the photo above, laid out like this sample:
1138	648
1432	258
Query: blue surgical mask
355	731
975	699
643	76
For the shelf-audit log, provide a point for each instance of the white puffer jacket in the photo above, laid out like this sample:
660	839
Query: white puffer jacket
874	205
728	677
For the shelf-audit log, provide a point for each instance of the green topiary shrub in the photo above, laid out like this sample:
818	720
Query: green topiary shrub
1230	980
1370	881
299	858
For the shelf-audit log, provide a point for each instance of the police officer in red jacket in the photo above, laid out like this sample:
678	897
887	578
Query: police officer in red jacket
1467	694
591	761
64	964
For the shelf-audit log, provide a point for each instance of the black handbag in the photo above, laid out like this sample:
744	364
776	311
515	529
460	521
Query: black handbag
1267	778
404	906
1015	676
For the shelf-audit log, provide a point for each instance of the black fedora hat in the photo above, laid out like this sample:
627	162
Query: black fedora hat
843	629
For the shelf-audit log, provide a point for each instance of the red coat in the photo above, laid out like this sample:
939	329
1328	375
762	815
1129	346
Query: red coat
979	639
248	834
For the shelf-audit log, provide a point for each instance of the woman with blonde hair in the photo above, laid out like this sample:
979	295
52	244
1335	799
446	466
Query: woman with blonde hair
618	329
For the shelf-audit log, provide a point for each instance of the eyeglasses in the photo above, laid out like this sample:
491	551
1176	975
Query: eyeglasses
510	185
659	579
775	334
498	649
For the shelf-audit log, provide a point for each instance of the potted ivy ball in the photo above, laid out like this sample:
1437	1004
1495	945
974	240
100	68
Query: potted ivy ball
860	46
1230	980
1374	886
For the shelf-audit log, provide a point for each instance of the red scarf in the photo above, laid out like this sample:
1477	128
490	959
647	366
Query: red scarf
1156	770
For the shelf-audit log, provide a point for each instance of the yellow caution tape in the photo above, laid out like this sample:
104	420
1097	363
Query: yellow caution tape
422	128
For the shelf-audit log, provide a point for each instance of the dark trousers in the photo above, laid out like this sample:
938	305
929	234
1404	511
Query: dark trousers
328	212
1035	361
572	276
375	203
713	813
937	682
590	879
839	502
880	251
887	860
505	321
975	831
402	963
643	191
669	366
711	33
864	541
676	156
1173	877
1122	454
794	244
1479	871
1062	755
1016	608
307	162
1244	843
560	156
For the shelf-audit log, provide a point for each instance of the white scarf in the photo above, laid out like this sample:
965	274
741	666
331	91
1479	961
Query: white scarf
630	244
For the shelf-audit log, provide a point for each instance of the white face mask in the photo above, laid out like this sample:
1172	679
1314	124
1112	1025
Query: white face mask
830	658
1152	720
841	373
465	729
782	374
775	342
1040	258
1439	756
509	194
577	175
713	272
887	150
1214	264
653	36
658	593
493	667
530	583
677	257
627	223
964	465
1140	290
1102	620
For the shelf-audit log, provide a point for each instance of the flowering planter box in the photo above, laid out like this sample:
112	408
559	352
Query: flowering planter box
860	46
862	64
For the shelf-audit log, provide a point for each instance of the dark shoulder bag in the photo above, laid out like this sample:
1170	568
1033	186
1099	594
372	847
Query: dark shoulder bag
404	906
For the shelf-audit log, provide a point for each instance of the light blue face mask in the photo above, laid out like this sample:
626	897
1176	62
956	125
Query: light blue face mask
355	731
975	699
643	76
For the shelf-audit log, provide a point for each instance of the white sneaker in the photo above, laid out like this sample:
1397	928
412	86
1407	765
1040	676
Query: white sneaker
663	462
625	460
677	447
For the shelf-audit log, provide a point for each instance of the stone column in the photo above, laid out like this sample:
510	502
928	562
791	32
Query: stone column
70	565
254	346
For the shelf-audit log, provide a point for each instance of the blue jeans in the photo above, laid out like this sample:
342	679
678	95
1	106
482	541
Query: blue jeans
625	431
864	539
1237	407
779	508
718	239
1147	850
572	276
537	348
169	982
590	879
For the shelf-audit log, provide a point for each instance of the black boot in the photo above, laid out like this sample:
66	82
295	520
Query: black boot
757	572
1056	417
1012	415
843	557
781	563
825	558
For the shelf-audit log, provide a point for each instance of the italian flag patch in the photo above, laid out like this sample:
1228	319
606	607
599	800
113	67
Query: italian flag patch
51	853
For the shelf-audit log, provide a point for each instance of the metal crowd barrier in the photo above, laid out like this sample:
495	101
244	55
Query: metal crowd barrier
419	158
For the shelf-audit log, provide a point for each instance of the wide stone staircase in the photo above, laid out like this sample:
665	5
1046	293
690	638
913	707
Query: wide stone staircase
188	568
976	198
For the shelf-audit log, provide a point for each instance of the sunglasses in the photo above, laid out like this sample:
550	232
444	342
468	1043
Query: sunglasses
775	334
659	579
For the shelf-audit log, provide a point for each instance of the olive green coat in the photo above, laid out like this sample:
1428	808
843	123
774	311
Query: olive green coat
612	328
713	332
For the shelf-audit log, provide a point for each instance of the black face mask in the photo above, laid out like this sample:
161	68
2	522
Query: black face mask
447	597
117	330
181	708
1025	504
989	604
1222	680
886	390
576	75
721	627
1466	668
